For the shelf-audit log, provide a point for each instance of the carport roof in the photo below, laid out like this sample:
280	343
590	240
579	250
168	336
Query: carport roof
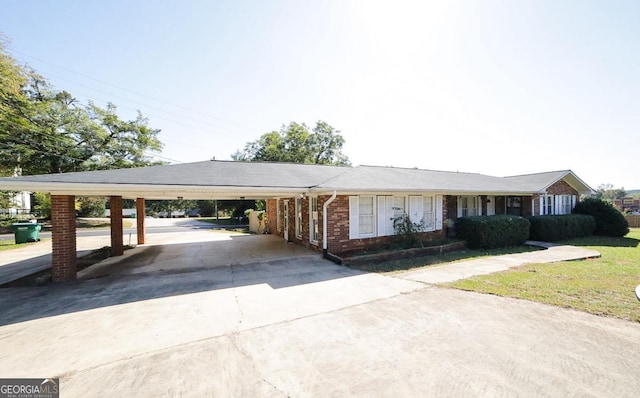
254	180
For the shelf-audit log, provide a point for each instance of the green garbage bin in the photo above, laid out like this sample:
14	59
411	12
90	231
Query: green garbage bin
26	232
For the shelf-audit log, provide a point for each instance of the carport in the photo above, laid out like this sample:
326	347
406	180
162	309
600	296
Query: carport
202	180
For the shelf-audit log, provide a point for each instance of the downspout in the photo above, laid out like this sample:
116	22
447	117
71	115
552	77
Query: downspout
325	244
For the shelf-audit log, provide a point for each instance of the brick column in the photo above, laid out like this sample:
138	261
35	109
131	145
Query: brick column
115	206
63	233
140	214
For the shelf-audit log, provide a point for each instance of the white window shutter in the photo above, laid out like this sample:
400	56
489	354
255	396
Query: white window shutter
541	198
354	219
558	202
573	201
438	212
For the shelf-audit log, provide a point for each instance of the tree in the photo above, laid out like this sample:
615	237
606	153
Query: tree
609	193
43	130
296	144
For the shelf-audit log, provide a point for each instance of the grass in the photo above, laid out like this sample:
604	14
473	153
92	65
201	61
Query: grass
602	286
11	244
419	262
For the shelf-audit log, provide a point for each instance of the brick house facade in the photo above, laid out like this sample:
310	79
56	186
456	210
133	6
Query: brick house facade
295	223
325	208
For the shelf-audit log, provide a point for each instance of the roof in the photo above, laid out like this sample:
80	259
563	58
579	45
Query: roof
259	180
542	181
392	179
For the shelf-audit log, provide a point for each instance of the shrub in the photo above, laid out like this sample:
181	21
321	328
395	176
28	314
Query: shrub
407	231
490	232
556	228
91	206
609	221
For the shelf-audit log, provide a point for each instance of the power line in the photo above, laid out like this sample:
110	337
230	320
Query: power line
131	91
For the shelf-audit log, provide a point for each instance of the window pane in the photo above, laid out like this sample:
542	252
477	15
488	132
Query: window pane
429	216
365	208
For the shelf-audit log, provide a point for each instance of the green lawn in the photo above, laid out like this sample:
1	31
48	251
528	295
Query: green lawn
602	286
426	261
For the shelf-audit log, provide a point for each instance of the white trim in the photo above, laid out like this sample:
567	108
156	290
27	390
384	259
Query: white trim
312	227
298	220
325	206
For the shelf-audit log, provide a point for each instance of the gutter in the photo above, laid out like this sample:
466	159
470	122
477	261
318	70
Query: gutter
325	244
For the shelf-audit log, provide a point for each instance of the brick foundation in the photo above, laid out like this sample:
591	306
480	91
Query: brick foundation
63	231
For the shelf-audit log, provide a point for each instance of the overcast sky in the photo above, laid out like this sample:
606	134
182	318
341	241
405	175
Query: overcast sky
494	87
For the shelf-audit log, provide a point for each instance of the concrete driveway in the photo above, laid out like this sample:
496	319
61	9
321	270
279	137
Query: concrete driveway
302	326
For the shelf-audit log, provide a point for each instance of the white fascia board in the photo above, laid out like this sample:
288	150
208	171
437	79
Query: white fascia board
151	191
429	192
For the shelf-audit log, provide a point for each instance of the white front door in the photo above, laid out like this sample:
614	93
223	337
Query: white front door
286	220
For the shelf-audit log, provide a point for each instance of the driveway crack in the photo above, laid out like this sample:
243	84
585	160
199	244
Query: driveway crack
236	334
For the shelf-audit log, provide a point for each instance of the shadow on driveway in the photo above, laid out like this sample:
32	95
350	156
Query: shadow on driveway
24	304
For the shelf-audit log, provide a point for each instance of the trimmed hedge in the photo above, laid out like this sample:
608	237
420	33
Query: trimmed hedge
490	232
609	221
556	228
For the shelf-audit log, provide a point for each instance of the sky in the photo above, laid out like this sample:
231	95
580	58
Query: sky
496	87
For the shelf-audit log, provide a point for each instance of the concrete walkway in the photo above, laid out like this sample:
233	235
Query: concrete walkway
465	269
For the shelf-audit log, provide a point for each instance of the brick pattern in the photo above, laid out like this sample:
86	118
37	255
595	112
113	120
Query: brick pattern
140	216
63	231
117	246
272	222
561	188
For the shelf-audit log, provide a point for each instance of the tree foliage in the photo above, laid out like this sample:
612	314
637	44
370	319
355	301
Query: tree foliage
43	130
608	192
296	144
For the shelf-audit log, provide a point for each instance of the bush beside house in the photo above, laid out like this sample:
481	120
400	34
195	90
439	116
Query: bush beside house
556	228
609	221
490	232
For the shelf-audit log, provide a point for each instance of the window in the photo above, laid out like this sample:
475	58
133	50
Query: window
469	206
299	218
564	205
278	216
428	218
371	216
557	204
547	204
313	220
514	205
366	218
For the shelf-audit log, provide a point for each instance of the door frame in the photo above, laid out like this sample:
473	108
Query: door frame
285	224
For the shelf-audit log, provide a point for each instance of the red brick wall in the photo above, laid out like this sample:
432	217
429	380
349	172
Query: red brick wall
140	214
338	230
561	188
271	217
337	225
63	231
117	246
